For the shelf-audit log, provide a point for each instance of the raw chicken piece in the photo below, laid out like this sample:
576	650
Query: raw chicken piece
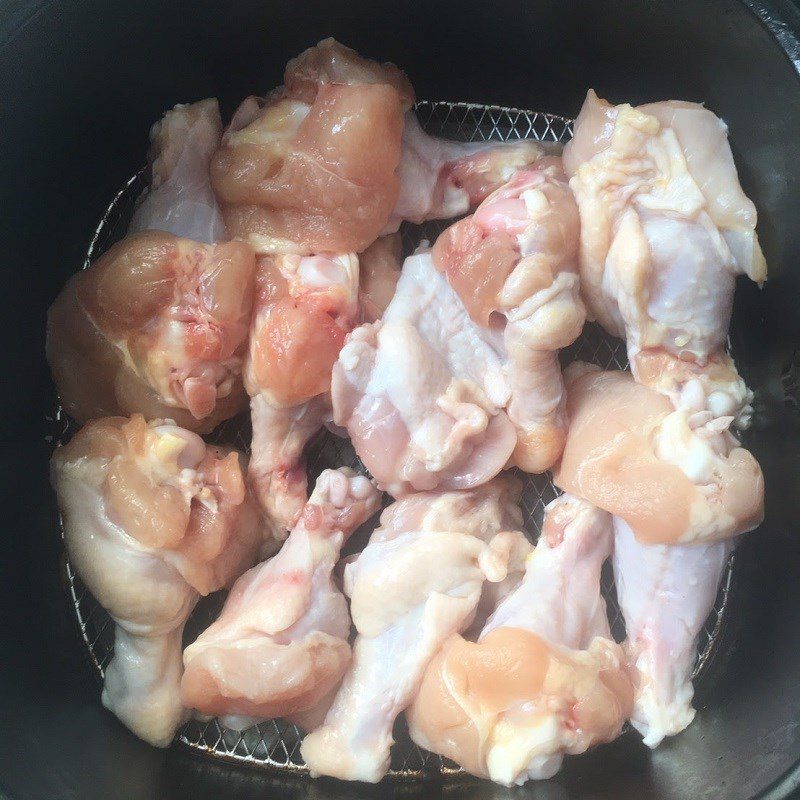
666	592
312	168
417	582
679	492
482	512
158	324
414	423
327	161
304	308
545	677
378	272
279	648
629	452
330	63
462	373
559	598
440	179
665	229
277	469
513	266
180	199
152	519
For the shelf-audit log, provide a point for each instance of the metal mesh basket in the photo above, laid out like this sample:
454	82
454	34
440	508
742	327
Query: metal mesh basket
276	743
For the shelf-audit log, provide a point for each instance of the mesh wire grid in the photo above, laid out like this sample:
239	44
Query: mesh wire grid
276	744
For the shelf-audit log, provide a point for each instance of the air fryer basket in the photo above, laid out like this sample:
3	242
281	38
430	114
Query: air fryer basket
81	84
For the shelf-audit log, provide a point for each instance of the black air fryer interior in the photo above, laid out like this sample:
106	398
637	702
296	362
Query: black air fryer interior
82	82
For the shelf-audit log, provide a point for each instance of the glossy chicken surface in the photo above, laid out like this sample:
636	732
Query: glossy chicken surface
665	230
329	160
461	374
679	495
666	592
304	308
416	583
263	263
158	324
544	678
280	646
152	519
312	168
631	453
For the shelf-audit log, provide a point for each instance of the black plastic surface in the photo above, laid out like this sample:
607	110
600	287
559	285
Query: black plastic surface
82	82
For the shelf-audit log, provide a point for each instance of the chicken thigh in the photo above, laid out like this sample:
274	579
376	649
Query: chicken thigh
545	677
665	229
679	495
158	324
417	582
461	374
279	648
153	518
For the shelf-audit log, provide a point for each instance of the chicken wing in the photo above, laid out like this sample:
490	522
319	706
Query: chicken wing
158	324
312	168
279	648
545	678
441	179
665	229
417	582
153	518
462	373
304	308
666	592
180	199
679	495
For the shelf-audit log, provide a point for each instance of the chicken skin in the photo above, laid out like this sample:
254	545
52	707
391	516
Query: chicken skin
280	646
679	496
631	453
665	230
545	677
461	375
312	168
334	157
153	518
666	592
416	583
158	324
305	306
